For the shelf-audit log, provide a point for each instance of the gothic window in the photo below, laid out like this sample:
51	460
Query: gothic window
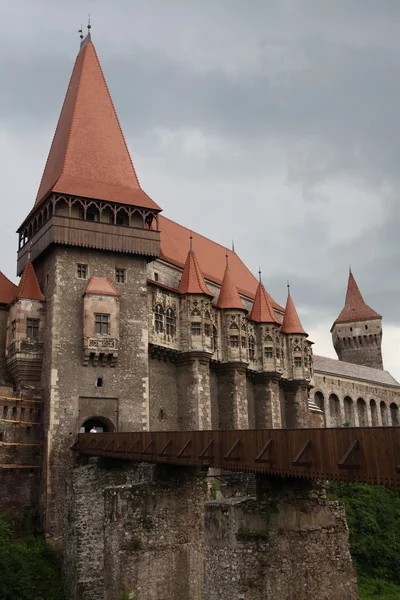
159	318
278	353
251	347
215	338
82	271
196	329
13	329
102	323
243	341
234	341
207	329
32	329
120	275
170	321
297	361
269	352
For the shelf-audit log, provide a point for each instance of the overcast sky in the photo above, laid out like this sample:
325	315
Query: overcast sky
273	123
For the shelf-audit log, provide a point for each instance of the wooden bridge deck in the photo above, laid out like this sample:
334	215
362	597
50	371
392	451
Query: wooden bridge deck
370	455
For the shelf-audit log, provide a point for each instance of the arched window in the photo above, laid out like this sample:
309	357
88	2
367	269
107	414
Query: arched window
170	322
374	413
159	318
384	414
5	412
348	410
334	409
394	414
252	347
14	414
319	400
362	412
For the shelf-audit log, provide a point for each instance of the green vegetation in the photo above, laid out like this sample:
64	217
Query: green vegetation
373	515
30	569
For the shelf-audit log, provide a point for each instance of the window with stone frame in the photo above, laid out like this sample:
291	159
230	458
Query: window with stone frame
207	329
297	362
82	271
32	329
120	275
13	329
243	341
252	348
215	338
277	352
234	341
268	352
102	324
170	322
159	318
196	328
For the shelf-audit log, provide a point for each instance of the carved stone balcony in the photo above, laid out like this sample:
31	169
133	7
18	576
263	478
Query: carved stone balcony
24	360
103	347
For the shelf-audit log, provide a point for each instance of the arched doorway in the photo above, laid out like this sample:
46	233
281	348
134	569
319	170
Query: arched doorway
362	413
102	425
319	400
334	410
348	411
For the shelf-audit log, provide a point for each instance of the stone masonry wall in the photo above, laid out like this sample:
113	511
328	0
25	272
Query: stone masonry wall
163	395
4	375
289	543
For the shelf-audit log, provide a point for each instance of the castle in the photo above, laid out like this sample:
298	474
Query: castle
126	320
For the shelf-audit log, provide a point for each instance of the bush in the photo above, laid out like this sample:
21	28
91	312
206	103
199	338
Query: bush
30	569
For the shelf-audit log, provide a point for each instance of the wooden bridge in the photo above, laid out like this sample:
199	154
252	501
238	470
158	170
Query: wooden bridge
367	455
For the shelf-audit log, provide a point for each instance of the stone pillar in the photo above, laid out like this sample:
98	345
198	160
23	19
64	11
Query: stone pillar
194	396
267	404
289	542
296	396
232	396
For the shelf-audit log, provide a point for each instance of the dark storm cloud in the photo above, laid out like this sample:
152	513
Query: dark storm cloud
271	122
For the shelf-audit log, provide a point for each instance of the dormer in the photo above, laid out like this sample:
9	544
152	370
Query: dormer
25	330
89	194
100	322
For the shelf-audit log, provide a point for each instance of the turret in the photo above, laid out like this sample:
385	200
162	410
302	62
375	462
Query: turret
298	349
357	332
233	321
269	348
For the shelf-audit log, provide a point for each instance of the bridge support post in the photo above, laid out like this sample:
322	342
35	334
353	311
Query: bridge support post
267	403
232	396
289	542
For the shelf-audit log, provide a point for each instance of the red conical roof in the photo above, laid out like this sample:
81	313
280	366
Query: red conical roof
101	286
228	294
192	280
29	288
291	322
8	290
355	309
89	156
262	311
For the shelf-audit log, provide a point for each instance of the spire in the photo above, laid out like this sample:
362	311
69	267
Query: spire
8	290
89	156
228	294
101	286
355	309
291	322
262	311
29	288
192	280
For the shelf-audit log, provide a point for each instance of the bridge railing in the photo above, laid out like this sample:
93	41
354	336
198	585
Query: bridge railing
369	455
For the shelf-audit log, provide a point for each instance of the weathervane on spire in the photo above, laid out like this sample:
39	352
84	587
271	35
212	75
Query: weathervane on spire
288	287
259	274
89	25
80	31
233	245
226	257
191	243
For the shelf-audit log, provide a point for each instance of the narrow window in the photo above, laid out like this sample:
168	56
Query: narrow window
215	338
159	318
297	361
32	329
207	329
102	323
234	341
251	348
99	382
13	329
277	353
82	271
196	328
155	276
120	275
170	321
269	352
243	341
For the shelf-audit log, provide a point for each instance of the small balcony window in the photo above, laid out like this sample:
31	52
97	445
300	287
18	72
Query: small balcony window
234	341
32	329
297	362
196	328
82	271
120	275
102	324
269	352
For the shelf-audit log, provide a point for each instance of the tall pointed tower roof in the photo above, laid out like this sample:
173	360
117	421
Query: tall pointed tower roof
192	280
89	156
355	309
291	322
228	294
262	311
29	288
8	290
